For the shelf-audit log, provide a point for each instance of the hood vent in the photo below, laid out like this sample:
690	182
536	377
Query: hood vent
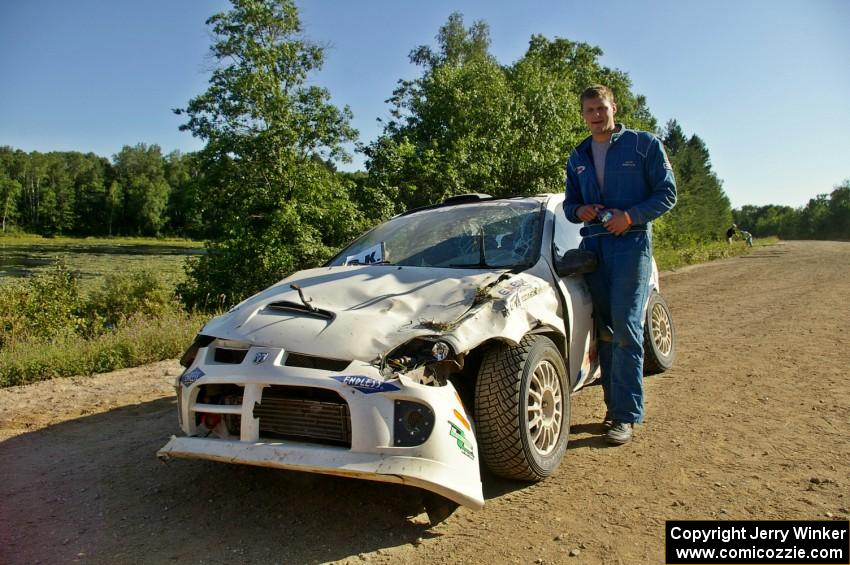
301	309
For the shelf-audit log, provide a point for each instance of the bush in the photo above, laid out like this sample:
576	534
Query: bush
49	329
50	306
138	341
670	256
47	306
126	295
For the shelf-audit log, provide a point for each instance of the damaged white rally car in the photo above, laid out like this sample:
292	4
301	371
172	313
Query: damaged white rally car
445	337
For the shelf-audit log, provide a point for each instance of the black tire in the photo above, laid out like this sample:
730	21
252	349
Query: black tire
659	336
509	444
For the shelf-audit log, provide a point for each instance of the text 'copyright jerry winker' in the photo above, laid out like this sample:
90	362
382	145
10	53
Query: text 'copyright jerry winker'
695	542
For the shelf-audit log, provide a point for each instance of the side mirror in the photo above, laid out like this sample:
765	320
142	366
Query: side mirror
576	262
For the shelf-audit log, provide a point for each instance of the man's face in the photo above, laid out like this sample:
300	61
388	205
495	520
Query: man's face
598	114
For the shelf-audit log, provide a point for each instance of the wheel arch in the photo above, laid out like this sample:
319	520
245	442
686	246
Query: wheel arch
558	338
466	379
507	440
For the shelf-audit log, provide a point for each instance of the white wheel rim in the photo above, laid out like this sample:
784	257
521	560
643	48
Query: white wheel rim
662	331
545	408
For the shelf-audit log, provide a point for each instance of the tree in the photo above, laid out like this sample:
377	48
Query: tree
457	45
703	211
826	216
88	172
839	212
185	202
277	205
60	192
376	205
674	138
10	187
114	204
141	172
469	124
33	172
10	190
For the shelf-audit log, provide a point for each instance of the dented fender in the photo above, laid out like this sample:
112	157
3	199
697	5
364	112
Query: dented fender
511	308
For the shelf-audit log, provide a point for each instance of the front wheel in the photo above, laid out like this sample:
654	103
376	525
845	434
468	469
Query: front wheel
522	409
659	336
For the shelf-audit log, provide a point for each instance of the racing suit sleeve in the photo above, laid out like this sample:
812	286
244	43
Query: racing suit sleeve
659	176
574	199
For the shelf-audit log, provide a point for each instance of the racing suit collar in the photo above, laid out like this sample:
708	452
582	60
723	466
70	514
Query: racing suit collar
621	129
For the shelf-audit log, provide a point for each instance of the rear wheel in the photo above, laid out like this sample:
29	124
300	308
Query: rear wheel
522	409
659	336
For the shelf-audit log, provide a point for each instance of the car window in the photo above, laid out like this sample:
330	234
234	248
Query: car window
566	235
508	232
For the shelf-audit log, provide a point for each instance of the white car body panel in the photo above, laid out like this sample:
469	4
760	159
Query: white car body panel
394	304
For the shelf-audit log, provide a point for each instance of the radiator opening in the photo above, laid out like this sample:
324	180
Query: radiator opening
294	413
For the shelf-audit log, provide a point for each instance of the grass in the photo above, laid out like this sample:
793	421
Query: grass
95	257
99	240
138	341
670	258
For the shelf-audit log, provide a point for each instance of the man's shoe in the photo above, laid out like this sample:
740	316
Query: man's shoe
620	433
607	422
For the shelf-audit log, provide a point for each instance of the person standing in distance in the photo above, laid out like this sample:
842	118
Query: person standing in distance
622	176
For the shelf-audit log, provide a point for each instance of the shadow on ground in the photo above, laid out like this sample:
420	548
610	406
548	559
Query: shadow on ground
92	489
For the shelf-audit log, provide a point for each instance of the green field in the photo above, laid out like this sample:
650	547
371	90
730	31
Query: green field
93	258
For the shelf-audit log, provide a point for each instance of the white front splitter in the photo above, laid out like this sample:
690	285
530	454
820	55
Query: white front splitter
415	471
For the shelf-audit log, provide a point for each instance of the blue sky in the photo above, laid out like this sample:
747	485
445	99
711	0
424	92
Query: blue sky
764	83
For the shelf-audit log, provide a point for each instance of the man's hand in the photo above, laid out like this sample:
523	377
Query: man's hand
618	224
587	213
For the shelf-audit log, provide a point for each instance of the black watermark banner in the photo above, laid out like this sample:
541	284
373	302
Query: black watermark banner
761	542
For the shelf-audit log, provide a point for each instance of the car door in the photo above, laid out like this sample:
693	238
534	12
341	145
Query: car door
578	306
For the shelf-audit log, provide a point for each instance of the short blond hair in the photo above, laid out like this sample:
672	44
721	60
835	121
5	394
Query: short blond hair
595	91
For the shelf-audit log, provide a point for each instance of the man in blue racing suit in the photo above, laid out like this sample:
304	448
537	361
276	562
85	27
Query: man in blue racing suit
618	181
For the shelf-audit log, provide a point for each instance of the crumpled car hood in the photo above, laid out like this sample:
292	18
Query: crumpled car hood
376	308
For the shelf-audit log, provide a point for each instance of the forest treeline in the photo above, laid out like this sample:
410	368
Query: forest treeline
265	193
827	216
139	191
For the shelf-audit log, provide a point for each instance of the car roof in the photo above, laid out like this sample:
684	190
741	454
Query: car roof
474	198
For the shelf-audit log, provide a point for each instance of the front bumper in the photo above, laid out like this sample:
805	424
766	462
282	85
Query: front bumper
428	474
442	459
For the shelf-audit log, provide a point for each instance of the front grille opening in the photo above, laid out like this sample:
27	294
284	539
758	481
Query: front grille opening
220	394
311	362
303	414
229	355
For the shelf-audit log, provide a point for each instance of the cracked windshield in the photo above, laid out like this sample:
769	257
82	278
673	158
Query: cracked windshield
501	233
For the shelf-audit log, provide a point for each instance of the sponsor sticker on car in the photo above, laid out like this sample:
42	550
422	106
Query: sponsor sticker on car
463	442
366	385
188	378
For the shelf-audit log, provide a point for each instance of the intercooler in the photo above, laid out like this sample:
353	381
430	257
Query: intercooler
298	413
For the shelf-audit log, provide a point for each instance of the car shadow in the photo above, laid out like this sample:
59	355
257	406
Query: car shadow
595	440
92	489
496	487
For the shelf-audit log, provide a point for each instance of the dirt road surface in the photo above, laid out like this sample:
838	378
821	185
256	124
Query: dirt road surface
753	422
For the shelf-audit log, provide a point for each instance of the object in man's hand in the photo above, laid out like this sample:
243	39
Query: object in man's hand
604	215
